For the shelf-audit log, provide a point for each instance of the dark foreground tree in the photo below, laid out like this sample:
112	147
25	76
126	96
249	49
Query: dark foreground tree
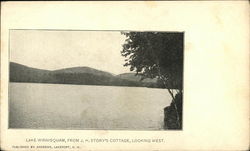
158	55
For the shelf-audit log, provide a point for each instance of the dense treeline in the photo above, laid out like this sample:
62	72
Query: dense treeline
21	73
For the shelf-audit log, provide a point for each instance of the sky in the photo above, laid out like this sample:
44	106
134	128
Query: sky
62	49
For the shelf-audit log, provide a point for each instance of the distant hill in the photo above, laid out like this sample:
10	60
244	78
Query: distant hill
75	75
21	73
134	77
84	70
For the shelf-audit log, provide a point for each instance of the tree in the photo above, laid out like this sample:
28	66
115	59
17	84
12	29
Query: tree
157	55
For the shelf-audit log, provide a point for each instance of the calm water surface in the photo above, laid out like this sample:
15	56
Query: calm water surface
59	106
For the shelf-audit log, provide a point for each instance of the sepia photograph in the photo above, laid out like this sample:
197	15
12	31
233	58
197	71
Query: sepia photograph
109	75
95	80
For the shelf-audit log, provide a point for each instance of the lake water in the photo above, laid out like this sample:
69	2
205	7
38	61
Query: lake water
59	106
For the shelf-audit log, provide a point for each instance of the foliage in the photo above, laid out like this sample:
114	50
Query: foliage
155	54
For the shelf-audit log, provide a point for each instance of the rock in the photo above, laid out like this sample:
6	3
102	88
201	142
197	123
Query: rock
170	114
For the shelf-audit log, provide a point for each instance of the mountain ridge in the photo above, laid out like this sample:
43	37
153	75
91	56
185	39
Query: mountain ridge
83	69
74	75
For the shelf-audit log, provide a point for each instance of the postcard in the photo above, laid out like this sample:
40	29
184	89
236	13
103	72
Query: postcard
144	75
